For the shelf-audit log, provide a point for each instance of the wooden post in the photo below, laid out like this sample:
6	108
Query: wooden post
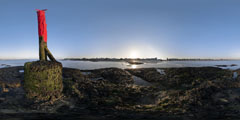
44	52
49	54
43	79
42	55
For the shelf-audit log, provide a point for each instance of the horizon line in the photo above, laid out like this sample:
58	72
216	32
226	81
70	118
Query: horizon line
125	58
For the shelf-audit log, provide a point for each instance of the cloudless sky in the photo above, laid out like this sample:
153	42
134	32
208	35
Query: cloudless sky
123	28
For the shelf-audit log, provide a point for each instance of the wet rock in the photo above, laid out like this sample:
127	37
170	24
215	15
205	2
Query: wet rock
235	75
221	65
2	100
233	65
182	93
5	65
140	81
223	101
10	77
135	62
72	73
113	75
148	74
161	71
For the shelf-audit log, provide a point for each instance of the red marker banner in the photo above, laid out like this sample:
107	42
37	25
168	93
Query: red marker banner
42	26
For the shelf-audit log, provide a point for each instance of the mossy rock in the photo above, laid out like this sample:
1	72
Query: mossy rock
43	80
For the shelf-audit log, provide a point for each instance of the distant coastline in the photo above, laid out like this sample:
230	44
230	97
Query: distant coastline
144	59
128	60
198	59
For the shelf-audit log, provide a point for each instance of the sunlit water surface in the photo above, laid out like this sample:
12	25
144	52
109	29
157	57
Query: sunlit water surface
83	65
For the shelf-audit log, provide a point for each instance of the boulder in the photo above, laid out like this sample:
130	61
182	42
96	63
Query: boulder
116	75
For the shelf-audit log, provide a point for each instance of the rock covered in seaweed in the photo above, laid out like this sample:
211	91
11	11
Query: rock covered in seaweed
148	74
10	78
113	75
43	80
189	93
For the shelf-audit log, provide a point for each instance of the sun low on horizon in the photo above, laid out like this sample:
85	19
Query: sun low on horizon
133	54
155	28
142	50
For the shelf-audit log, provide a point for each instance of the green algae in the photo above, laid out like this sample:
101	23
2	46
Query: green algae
43	80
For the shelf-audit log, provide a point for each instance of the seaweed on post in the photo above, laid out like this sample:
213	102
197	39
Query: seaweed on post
43	78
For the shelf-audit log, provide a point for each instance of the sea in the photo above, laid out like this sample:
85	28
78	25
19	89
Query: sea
88	65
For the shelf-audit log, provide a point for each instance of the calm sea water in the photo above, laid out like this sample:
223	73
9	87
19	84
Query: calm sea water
83	65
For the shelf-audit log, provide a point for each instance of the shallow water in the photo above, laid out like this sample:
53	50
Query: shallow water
140	81
85	65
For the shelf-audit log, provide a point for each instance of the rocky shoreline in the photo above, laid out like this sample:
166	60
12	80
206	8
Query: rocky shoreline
113	93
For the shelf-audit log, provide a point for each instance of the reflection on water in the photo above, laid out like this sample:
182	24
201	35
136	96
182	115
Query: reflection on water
86	65
133	66
235	75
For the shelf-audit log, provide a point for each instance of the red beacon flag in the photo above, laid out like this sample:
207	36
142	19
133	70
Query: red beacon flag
42	26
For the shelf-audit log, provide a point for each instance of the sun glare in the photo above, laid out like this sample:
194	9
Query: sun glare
133	66
133	54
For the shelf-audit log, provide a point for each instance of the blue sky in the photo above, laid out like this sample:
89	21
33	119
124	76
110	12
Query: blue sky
123	28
